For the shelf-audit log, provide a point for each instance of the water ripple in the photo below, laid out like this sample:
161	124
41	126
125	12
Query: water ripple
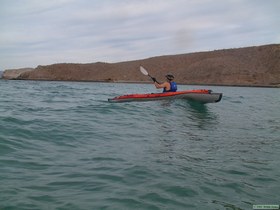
63	146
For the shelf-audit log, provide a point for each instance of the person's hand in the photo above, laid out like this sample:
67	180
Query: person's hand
154	79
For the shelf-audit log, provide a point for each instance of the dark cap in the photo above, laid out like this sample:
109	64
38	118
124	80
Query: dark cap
169	76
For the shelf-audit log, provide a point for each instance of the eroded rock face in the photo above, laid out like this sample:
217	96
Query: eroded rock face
14	73
252	66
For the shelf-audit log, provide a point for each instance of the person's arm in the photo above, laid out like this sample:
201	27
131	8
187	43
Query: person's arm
162	85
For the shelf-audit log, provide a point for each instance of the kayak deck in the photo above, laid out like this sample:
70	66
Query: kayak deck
203	96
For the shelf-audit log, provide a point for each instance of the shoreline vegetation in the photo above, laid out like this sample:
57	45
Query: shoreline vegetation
257	66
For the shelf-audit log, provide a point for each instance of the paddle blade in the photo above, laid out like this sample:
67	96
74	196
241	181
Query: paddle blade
144	71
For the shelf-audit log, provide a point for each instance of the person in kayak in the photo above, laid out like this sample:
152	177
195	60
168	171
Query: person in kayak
168	86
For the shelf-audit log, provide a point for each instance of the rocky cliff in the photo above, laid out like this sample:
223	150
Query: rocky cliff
15	73
250	66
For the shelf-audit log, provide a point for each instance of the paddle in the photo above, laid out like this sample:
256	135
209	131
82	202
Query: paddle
145	72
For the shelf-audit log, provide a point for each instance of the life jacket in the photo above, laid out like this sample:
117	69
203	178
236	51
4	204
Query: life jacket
173	87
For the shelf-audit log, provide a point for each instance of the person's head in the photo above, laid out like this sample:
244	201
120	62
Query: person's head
169	77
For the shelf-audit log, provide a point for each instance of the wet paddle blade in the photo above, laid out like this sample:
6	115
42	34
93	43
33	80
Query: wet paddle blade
144	71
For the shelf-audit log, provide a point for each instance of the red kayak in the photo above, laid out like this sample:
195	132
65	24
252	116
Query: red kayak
203	96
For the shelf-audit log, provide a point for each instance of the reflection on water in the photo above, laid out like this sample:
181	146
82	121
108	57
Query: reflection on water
199	107
177	122
200	114
182	116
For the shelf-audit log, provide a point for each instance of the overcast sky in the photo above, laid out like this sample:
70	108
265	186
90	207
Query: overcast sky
41	32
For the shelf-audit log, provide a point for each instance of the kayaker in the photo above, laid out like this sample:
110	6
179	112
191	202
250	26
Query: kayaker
168	86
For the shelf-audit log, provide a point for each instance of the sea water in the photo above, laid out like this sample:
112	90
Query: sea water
64	146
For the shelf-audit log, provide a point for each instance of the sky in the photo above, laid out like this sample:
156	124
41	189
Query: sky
40	32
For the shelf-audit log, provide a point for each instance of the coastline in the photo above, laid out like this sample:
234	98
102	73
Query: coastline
147	82
257	66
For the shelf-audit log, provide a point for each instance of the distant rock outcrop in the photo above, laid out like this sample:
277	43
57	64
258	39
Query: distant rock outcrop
15	73
250	66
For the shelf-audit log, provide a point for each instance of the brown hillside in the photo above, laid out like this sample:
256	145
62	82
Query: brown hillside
252	66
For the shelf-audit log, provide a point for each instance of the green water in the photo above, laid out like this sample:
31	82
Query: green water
63	146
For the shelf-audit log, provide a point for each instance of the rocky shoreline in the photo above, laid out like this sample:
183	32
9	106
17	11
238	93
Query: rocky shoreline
251	66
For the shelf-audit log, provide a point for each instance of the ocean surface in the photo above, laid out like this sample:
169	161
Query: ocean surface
64	146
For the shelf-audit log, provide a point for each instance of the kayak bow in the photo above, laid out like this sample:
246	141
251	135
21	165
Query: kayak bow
203	96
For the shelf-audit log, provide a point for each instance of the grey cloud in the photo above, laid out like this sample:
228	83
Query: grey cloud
111	31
